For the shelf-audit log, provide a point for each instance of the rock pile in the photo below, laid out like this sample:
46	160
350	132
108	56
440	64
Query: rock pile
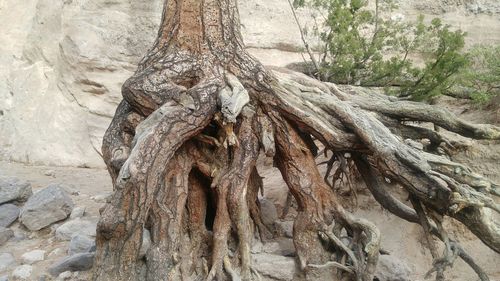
51	213
40	212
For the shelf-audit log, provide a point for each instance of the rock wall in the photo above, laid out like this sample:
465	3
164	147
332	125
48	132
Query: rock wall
62	63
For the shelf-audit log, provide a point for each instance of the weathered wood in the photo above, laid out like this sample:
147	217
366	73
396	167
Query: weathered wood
183	146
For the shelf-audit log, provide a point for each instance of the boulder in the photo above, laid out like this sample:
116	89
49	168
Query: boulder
80	244
269	213
33	257
45	207
6	260
22	272
8	214
13	189
274	266
5	235
77	262
76	227
391	268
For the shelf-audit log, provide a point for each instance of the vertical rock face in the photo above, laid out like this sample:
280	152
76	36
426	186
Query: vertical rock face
63	63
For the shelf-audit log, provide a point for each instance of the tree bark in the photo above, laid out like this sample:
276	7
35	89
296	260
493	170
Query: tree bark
183	145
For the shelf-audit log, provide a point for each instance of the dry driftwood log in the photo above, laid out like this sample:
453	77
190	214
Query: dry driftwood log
183	145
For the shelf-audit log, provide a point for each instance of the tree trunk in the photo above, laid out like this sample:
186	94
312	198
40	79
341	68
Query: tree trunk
183	145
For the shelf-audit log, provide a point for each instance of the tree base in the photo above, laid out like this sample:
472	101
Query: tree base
182	151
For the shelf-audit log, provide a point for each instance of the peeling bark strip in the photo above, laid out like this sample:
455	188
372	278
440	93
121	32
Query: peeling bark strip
182	147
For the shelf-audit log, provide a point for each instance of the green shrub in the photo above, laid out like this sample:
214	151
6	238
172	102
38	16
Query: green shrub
481	80
368	48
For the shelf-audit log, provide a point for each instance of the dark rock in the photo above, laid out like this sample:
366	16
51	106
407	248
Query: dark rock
8	214
269	213
77	262
81	244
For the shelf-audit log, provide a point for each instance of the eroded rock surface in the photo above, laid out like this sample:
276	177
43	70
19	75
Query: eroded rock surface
63	63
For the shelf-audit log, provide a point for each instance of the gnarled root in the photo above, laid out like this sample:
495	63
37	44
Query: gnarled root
184	169
318	208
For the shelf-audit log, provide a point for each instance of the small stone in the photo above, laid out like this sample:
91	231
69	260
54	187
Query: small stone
146	243
74	227
45	207
70	189
81	244
77	212
282	247
5	235
65	275
55	252
43	277
50	173
6	260
8	214
13	189
274	266
391	268
77	262
33	257
269	213
286	228
102	198
22	272
257	247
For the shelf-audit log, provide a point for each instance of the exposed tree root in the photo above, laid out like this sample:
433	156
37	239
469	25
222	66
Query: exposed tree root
183	146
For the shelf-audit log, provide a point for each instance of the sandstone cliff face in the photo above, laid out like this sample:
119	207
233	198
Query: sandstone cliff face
62	63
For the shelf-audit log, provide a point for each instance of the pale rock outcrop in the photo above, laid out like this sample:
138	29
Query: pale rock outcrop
63	63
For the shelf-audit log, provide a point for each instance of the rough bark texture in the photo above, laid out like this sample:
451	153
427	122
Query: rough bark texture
183	146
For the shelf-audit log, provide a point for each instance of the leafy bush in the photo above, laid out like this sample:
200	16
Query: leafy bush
481	80
369	48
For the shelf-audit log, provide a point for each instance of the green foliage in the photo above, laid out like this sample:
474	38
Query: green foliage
368	48
481	80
